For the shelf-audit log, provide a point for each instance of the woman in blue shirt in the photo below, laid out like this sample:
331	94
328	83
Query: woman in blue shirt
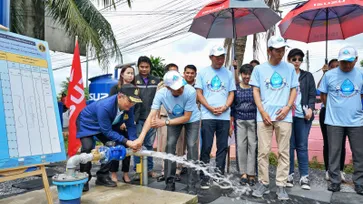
244	116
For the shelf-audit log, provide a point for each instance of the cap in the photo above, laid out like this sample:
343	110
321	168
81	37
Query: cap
174	80
276	42
217	50
132	92
347	53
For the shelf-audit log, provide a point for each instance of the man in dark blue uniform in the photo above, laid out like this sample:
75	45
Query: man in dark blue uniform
102	120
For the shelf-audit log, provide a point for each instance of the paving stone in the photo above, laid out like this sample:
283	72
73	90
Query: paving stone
316	193
346	198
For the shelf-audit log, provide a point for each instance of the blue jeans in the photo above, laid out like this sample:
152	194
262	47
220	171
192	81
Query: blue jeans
221	129
148	144
299	142
192	133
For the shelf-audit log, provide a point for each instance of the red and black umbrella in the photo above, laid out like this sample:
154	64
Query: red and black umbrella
233	18
323	20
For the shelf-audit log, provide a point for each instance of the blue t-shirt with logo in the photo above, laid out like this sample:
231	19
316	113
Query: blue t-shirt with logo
216	85
175	106
343	105
299	110
275	83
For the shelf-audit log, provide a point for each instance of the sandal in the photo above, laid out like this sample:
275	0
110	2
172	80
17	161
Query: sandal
251	181
243	180
123	178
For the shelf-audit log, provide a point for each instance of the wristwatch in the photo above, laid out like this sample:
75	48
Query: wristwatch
289	106
167	122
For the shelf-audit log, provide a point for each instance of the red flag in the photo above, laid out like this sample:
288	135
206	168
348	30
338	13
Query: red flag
75	101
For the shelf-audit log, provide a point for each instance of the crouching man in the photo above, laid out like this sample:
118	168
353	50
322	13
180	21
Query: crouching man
102	120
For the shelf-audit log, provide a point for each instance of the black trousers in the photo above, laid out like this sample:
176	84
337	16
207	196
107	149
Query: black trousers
324	131
88	143
125	163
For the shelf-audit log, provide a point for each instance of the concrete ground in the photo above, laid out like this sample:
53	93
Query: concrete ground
124	193
154	194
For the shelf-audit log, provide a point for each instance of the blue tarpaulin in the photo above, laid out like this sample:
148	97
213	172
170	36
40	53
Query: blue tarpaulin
5	13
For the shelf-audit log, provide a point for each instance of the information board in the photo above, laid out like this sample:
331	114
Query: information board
30	128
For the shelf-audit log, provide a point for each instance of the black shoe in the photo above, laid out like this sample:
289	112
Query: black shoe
85	187
359	189
334	187
105	181
160	178
243	181
205	184
170	185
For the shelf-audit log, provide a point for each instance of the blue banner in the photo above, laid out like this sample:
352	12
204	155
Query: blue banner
5	13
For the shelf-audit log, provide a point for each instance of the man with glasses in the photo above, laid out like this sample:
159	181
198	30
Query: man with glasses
102	119
274	90
341	92
215	90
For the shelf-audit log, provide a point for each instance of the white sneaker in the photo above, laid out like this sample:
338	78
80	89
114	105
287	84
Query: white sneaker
342	175
327	176
290	181
304	183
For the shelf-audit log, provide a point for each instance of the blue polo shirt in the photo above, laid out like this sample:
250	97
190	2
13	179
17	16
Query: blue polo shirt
176	106
344	104
275	83
216	85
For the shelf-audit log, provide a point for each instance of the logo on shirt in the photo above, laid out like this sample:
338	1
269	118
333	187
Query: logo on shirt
347	89
276	82
215	84
177	111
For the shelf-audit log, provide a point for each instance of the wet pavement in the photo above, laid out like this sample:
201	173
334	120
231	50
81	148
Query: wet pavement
317	194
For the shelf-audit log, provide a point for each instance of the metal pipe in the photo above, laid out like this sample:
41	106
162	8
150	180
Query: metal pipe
144	171
82	159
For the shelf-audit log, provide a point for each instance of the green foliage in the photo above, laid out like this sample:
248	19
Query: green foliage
64	89
314	164
361	63
158	65
273	159
348	169
79	18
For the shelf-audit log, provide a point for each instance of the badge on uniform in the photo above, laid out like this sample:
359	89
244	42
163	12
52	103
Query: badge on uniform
126	116
153	81
138	82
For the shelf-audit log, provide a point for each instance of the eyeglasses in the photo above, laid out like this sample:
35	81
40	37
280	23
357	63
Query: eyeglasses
295	59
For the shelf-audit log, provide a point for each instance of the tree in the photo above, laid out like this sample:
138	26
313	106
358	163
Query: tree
79	18
64	89
241	42
157	66
361	63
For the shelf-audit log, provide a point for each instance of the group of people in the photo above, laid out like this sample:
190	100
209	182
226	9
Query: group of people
211	103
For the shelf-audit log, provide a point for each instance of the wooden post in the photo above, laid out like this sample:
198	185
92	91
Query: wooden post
19	172
46	184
